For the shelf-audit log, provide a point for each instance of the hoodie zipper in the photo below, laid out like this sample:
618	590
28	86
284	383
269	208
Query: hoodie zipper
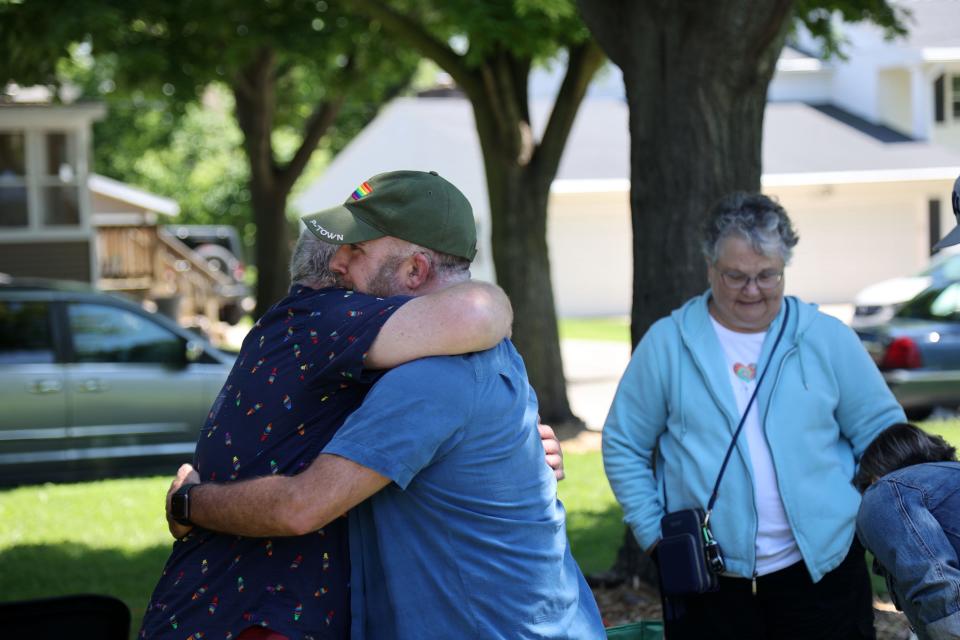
763	428
720	404
773	390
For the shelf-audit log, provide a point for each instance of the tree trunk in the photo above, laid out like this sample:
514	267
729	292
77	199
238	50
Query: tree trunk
696	77
272	250
519	173
254	91
519	238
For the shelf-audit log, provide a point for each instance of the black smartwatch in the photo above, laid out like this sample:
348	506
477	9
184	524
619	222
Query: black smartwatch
180	504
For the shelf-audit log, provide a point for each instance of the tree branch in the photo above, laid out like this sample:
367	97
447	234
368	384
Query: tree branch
584	60
509	102
415	35
320	120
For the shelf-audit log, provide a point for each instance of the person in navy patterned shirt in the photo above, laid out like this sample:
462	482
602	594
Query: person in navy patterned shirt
463	534
304	366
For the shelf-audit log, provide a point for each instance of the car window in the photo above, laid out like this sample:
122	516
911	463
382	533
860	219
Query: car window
25	336
102	333
951	268
947	265
947	304
935	304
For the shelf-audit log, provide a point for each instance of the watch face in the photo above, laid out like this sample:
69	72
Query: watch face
180	506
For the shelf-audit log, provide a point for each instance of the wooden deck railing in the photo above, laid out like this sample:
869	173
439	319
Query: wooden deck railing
152	264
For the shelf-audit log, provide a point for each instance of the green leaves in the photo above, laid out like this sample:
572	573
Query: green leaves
818	16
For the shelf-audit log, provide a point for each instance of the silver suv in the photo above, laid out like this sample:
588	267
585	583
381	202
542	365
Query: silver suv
92	385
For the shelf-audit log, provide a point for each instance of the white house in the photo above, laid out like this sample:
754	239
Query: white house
869	197
864	199
910	84
45	211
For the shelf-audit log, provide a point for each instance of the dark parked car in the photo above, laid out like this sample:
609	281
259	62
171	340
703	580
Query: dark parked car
219	245
879	302
918	350
93	385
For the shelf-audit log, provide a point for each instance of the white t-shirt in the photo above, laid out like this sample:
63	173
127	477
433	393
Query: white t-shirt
776	546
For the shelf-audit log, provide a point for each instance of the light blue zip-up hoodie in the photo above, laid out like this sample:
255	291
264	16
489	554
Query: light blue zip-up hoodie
822	402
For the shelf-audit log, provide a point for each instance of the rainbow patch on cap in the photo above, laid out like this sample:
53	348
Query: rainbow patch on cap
363	190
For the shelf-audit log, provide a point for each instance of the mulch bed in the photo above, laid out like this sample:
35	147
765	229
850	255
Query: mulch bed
624	603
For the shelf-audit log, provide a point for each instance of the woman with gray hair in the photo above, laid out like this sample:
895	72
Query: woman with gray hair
785	511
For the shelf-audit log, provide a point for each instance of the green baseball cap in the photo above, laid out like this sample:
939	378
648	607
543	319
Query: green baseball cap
416	206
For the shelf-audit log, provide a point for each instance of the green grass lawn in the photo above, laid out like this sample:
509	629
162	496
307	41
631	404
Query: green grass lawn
110	537
594	519
608	329
106	537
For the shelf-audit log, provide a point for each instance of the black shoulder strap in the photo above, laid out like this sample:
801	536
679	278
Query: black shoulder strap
743	418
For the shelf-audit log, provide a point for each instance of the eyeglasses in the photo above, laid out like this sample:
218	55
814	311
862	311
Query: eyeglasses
764	279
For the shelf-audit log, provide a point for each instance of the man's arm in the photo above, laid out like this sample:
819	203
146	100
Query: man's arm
278	505
465	317
293	505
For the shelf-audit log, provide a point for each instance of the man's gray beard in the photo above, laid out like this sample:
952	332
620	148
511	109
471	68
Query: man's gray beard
385	282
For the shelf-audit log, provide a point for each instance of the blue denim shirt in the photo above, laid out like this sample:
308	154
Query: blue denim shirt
469	539
910	520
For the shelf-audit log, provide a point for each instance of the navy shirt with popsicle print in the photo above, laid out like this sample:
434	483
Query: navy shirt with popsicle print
297	377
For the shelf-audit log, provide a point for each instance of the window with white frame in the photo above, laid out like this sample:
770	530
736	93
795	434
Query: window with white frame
13	180
39	186
955	96
57	182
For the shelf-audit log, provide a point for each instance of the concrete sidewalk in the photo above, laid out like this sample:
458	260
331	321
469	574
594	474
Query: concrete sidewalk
593	369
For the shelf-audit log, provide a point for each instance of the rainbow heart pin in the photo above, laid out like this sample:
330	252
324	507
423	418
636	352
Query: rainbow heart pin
746	372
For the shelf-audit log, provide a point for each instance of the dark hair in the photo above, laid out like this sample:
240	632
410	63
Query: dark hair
898	446
756	218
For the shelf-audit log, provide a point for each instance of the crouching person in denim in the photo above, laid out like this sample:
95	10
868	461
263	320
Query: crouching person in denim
910	520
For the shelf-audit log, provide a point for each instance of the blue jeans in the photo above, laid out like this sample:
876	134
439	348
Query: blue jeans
910	520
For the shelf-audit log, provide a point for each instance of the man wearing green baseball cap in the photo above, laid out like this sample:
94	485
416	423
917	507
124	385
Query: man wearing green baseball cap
455	527
416	206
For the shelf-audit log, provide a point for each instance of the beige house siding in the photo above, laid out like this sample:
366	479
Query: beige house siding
591	259
851	236
69	260
893	99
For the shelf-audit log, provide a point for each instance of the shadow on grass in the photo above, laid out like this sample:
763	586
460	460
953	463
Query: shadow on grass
595	537
39	571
